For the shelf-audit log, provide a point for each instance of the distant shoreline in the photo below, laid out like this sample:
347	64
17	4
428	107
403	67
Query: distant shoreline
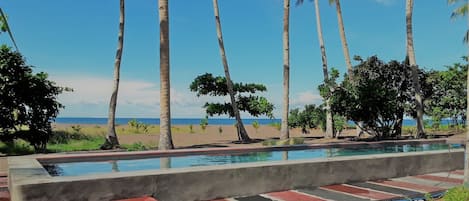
155	121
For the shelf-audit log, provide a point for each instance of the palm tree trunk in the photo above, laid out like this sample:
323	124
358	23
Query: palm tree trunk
413	66
111	138
7	27
329	119
166	141
242	133
343	38
466	156
284	133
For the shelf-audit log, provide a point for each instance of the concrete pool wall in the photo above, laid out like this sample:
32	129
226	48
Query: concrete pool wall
30	181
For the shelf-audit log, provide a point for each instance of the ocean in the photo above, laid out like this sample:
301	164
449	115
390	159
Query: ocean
187	121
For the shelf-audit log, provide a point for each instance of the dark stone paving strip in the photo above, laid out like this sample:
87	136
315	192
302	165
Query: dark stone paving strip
331	195
404	193
253	198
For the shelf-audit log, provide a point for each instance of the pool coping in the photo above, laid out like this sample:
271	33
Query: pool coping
27	175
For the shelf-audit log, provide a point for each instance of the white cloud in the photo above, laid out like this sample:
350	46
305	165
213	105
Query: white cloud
90	98
385	2
304	98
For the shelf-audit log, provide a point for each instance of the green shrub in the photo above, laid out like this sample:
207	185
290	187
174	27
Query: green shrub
204	123
459	193
64	137
138	126
137	146
255	124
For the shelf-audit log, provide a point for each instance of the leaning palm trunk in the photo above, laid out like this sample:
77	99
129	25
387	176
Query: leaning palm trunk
284	133
343	39
242	134
345	49
7	28
111	137
466	159
329	115
413	66
166	141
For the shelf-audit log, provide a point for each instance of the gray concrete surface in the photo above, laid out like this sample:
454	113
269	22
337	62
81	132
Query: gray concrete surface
29	181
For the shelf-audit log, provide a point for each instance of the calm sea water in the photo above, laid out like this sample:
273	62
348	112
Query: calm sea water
186	121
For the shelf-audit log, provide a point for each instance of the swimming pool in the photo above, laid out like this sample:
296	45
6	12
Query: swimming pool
109	166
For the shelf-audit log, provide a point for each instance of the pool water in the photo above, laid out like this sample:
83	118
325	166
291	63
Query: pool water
85	168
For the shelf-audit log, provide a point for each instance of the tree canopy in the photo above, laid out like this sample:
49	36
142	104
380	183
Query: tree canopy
378	94
28	101
208	85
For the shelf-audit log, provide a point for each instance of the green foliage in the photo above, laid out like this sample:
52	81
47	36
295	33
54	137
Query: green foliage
138	126
137	146
448	99
206	84
256	125
290	141
16	147
28	101
204	123
459	193
64	137
378	94
310	117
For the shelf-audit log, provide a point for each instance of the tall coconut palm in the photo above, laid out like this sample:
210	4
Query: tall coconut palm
166	141
242	134
4	27
111	137
343	39
461	11
284	133
413	66
329	116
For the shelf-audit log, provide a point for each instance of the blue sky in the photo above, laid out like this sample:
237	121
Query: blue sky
75	42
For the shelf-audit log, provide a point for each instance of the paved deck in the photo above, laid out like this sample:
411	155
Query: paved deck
405	188
396	189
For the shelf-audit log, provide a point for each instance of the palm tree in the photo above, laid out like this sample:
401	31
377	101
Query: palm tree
4	27
284	133
413	66
329	115
166	141
343	39
461	11
111	137
242	134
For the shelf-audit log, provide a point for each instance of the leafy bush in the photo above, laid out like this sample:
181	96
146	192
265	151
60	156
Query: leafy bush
204	123
28	101
255	124
459	193
138	126
64	137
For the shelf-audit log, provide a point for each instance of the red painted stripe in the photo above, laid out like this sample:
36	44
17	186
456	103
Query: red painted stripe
293	196
360	192
146	198
460	172
441	179
412	186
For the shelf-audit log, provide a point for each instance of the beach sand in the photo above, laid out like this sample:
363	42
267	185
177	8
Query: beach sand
210	137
